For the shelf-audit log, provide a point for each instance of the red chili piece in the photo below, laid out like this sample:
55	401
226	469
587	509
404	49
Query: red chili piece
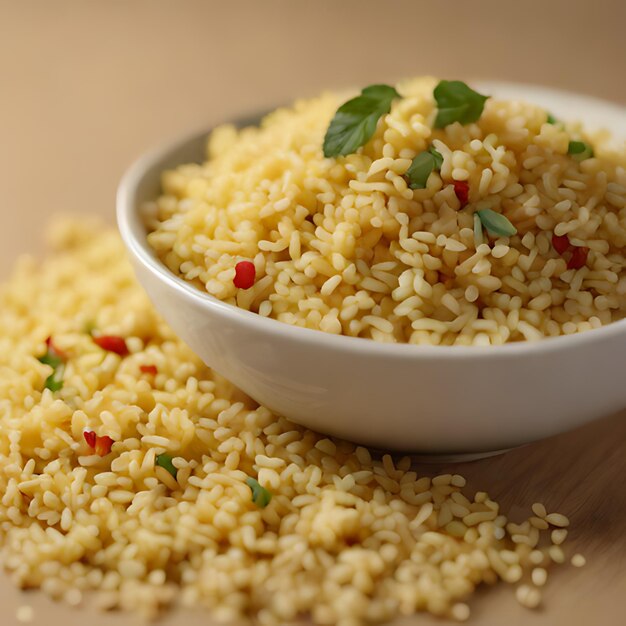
90	438
245	274
103	445
149	369
560	243
461	189
111	343
579	258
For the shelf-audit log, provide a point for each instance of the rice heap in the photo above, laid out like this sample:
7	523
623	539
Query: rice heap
343	245
345	537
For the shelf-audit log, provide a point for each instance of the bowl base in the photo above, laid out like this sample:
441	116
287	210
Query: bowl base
463	457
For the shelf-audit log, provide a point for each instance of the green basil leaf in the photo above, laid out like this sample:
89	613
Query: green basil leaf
438	158
54	382
579	150
260	496
551	119
576	147
51	358
165	461
421	168
355	121
496	223
457	103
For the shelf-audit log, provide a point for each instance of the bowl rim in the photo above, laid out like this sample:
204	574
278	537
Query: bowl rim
131	228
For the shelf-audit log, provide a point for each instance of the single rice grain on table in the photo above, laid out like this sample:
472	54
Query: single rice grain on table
135	472
343	245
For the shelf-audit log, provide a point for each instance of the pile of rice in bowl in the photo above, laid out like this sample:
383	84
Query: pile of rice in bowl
129	469
444	218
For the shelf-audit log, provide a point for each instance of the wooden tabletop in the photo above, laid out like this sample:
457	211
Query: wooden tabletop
86	85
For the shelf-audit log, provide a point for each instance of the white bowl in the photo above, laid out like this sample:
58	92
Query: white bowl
429	399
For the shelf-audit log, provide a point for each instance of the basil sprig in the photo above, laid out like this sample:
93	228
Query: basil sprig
165	461
579	150
260	495
355	121
496	223
457	103
550	119
422	167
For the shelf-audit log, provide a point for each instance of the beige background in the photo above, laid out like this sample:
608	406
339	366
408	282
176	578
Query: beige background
85	86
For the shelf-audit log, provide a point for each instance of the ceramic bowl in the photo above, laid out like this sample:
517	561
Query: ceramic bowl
453	400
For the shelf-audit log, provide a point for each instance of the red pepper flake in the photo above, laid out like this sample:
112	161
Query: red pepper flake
149	369
90	438
560	243
579	258
112	343
100	445
461	189
245	274
103	445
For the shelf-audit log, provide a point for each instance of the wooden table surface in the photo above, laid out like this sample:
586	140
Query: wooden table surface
87	85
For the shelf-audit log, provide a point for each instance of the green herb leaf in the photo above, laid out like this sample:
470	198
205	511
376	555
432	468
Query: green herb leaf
355	121
457	103
421	168
579	150
56	361
551	119
51	358
479	236
165	461
496	223
437	156
260	496
54	382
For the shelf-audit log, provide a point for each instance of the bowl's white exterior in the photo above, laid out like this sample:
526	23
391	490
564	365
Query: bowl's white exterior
427	399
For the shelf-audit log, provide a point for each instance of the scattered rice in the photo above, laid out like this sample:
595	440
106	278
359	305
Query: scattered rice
558	536
539	510
557	519
347	537
539	576
528	596
318	228
25	614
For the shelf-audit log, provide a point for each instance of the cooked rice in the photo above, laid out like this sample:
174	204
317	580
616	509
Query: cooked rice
346	538
344	246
